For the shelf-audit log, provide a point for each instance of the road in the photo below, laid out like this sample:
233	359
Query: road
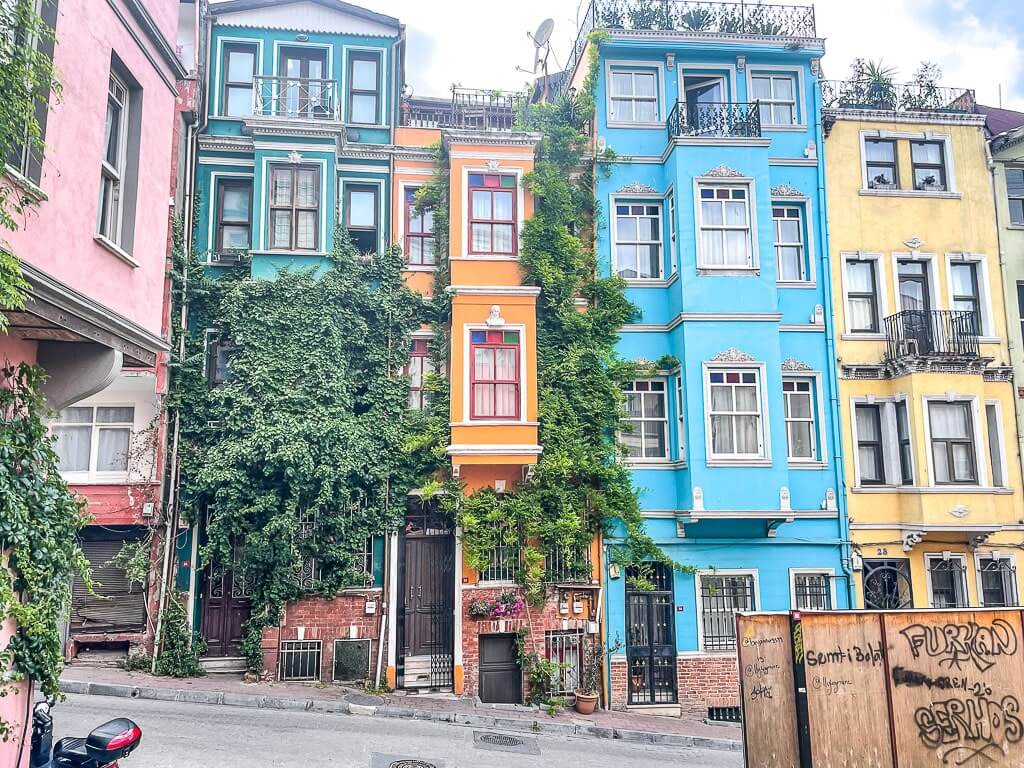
177	735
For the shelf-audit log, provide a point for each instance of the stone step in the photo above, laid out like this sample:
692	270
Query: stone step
223	664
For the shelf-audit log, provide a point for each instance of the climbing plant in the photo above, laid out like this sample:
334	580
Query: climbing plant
306	450
39	523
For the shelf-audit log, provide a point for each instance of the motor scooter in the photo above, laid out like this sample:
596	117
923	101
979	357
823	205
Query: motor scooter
110	742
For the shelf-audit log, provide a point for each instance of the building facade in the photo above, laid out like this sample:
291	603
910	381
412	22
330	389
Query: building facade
94	249
926	392
711	177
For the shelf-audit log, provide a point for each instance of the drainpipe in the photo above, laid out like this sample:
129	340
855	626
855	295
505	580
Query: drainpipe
830	346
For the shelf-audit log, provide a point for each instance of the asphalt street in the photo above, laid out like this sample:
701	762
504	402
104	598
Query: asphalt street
177	735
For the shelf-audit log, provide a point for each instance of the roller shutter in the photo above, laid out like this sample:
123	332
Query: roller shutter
116	606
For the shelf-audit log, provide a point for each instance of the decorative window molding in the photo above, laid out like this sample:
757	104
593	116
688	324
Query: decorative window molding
637	188
732	355
723	172
785	190
792	364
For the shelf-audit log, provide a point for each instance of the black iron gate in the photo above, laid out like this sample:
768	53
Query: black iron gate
426	574
650	635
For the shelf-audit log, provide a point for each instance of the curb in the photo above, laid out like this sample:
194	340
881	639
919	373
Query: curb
332	706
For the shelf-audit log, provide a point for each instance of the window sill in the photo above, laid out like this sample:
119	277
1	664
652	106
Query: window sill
494	423
990	340
651	282
936	489
116	250
800	127
910	193
28	187
285	252
481	584
637	125
863	337
1015	226
653	464
703	271
487	257
420	268
87	478
370	126
752	462
808	465
796	284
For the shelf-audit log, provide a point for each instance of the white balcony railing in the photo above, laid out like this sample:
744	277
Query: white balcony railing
295	98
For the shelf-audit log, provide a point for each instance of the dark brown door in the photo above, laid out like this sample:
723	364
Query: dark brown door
226	604
501	678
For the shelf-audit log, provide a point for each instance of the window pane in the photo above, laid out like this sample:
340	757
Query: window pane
782	114
502	206
646	111
926	153
867	457
963	462
281	229
995	451
650	260
721	434
234	238
625	261
112	450
721	399
941	462
654	406
482	205
963	279
240	66
712	249
281	194
862	317
736	214
115	415
1017	211
799	405
483	364
502	242
949	420
762	87
789	231
77	415
483	399
711	213
361	208
481	237
790	263
746	399
622	109
239	101
505	364
111	133
305	232
736	247
364	75
305	191
631	441
505	400
235	201
746	434
626	229
867	425
364	108
783	88
879	150
860	275
622	83
72	445
644	83
654	439
800	440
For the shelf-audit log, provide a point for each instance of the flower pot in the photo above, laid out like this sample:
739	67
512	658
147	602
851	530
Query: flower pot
586	703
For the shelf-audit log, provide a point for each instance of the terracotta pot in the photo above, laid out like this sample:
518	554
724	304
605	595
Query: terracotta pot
586	703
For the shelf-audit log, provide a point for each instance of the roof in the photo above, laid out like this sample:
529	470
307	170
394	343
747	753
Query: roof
337	5
999	120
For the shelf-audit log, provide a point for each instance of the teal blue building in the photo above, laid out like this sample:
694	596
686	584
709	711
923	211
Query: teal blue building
714	214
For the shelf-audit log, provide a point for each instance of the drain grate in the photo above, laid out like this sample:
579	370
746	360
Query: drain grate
503	742
411	764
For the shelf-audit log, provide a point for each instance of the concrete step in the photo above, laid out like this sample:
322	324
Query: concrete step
223	664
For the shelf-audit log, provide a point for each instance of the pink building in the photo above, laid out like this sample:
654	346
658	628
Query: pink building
95	251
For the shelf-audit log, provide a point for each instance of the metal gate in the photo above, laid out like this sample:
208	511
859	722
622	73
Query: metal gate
426	628
650	635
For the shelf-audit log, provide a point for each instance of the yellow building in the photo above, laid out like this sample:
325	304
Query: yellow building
926	398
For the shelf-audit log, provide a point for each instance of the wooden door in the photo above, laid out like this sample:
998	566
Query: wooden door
226	606
501	677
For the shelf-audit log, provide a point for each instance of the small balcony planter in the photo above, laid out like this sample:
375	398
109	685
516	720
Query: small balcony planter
507	605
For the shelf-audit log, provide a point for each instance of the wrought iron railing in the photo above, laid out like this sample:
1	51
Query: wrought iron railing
895	97
567	648
568	566
692	16
298	98
469	108
998	582
721	597
735	120
927	333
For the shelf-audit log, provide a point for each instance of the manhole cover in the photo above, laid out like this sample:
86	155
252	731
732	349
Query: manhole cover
502	740
411	764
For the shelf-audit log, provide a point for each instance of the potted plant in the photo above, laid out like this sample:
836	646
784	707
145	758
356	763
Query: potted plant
590	678
642	14
881	181
930	184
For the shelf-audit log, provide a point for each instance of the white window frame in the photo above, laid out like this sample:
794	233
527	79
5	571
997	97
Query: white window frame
830	573
753	261
806	265
644	201
632	68
928	259
796	76
987	332
91	474
680	415
670	197
763	456
1000	440
928	558
893	474
644	419
906	136
980	448
881	298
113	175
992	555
697	577
816	419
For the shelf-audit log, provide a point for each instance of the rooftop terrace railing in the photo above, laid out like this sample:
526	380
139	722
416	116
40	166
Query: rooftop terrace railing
469	108
692	16
895	97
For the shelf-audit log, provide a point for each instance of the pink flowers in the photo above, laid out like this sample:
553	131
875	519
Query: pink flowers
507	605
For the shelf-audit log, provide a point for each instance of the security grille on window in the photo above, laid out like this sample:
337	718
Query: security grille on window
725	227
300	660
998	581
887	584
647	414
965	294
812	591
948	578
364	561
566	648
789	243
862	296
927	160
735	408
721	597
634	96
234	205
416	369
239	71
504	559
952	442
801	430
419	232
93	439
880	163
776	95
294	207
494	376
1015	194
115	152
638	240
492	214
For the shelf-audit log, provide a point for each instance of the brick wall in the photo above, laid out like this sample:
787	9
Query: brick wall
535	619
703	681
327	619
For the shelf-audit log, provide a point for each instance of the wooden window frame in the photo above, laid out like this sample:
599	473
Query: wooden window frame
419	349
222	186
293	208
516	380
228	49
513	221
375	191
353	57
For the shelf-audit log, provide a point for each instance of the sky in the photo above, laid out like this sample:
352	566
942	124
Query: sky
479	43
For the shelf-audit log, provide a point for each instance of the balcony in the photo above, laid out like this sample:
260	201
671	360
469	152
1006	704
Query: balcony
692	17
296	98
468	109
739	120
888	97
938	334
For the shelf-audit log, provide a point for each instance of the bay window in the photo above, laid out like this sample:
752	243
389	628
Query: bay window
494	374
647	418
638	240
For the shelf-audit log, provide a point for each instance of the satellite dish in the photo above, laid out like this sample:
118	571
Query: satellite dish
543	33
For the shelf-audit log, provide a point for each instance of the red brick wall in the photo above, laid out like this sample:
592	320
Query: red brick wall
536	619
327	619
703	681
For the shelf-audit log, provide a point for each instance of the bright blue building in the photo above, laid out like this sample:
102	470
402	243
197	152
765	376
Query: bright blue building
714	214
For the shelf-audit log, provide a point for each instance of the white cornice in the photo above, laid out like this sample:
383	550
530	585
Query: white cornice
494	290
465	449
915	118
742	40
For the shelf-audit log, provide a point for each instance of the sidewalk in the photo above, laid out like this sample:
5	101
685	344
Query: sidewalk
229	690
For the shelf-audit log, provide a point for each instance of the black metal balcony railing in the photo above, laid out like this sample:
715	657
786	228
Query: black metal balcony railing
736	119
571	566
931	333
469	108
897	97
692	16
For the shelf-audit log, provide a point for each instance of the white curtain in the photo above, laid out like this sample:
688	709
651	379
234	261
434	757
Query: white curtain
112	450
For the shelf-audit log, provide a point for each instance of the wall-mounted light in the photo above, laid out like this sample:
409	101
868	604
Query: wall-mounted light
302	37
614	571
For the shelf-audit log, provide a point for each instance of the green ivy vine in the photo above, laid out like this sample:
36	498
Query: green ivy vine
39	523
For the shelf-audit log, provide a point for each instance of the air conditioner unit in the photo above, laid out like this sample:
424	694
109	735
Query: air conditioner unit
228	257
